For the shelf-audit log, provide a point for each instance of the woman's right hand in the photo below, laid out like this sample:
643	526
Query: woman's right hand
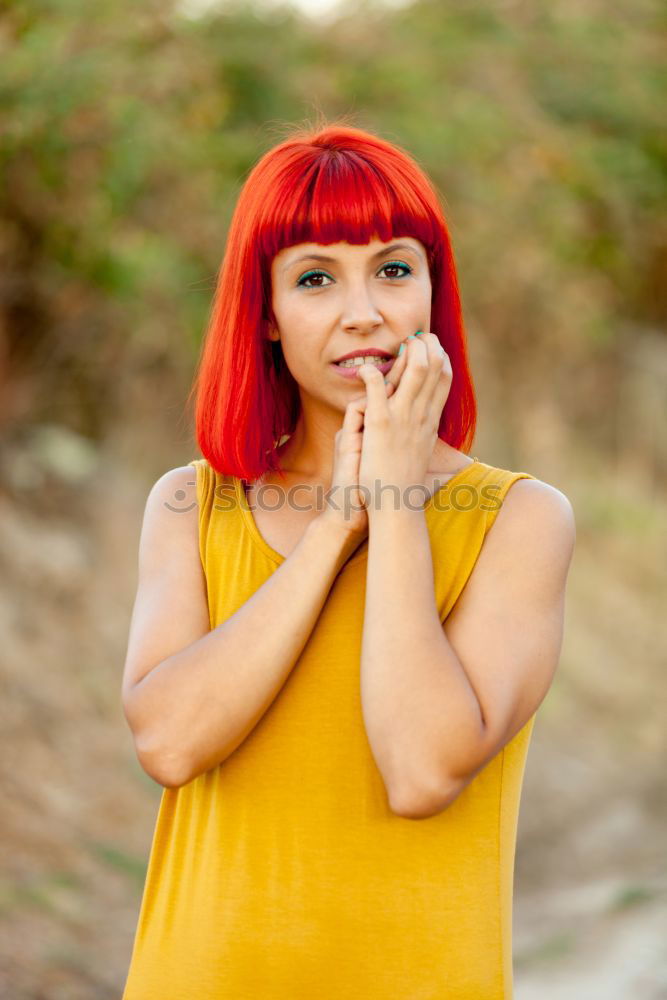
344	508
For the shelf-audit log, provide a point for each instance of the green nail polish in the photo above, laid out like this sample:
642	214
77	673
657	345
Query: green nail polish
400	350
418	333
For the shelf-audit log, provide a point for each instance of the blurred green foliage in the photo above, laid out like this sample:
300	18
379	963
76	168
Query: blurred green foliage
128	130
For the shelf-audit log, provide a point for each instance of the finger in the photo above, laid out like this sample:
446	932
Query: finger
375	389
396	371
390	387
436	358
395	374
398	367
443	389
416	371
353	418
355	412
437	383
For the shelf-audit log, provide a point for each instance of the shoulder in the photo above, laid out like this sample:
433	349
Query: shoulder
182	475
535	499
169	537
172	498
535	516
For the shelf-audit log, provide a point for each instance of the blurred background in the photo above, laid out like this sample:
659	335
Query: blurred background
127	132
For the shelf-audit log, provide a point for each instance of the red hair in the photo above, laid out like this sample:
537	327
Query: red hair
328	184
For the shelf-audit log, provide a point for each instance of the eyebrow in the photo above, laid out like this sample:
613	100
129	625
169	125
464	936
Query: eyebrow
332	260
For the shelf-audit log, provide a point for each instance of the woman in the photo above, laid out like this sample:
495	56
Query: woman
334	664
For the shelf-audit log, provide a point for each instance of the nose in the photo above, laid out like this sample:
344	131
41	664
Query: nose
360	314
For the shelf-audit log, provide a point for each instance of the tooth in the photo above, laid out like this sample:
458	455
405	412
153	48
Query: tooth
358	361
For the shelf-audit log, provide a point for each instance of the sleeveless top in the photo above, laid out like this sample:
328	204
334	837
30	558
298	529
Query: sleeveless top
282	873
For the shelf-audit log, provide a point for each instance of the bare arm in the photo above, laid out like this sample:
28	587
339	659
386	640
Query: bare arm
440	701
190	694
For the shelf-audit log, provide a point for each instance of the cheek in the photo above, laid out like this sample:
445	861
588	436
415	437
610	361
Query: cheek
299	316
304	350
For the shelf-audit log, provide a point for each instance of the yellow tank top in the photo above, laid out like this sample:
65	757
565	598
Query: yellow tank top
282	873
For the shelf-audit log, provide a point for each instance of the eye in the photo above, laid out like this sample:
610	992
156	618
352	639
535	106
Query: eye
398	263
307	276
319	274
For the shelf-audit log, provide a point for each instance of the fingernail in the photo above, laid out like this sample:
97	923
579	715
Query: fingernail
400	350
418	333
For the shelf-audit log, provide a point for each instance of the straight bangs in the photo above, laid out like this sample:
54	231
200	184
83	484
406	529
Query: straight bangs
335	184
342	198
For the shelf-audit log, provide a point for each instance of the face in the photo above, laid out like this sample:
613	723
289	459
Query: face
359	297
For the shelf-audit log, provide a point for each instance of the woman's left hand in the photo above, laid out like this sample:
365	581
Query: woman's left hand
400	431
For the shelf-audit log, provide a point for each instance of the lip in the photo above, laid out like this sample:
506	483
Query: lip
352	372
365	352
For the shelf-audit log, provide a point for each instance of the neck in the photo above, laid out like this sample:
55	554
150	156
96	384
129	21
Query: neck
309	451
